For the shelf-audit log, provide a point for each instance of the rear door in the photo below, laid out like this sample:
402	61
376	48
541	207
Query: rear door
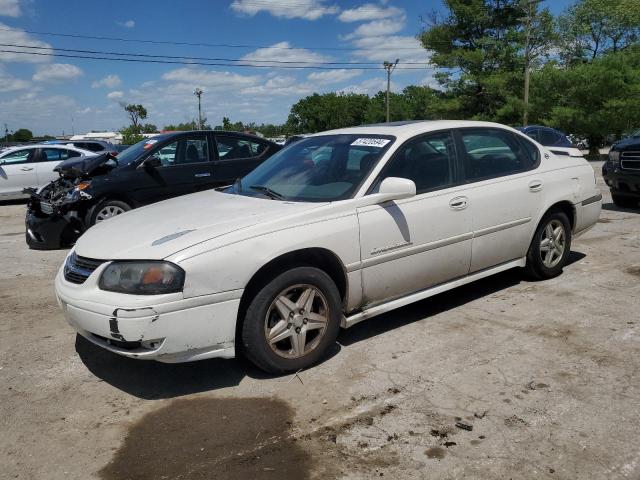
185	167
237	156
48	159
17	171
503	191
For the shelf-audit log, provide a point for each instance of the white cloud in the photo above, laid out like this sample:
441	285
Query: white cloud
110	81
306	9
329	77
127	24
370	86
56	72
38	113
283	52
10	8
115	95
405	48
9	83
189	78
378	28
9	35
369	11
84	111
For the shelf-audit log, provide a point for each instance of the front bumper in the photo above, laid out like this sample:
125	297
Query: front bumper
625	183
50	232
180	330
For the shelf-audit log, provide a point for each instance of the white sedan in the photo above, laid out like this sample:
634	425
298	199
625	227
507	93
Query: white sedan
332	230
32	166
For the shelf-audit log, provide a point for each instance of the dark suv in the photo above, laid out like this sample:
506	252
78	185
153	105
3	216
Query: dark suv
94	189
621	171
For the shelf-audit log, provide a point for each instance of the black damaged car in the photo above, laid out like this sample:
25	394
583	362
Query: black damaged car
621	171
97	188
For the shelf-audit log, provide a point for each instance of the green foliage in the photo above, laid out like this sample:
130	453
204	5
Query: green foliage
136	113
131	135
21	135
149	128
317	112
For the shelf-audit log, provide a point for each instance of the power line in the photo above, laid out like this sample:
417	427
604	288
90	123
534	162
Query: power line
212	64
173	57
194	44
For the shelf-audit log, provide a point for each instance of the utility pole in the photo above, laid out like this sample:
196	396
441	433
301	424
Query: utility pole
389	67
6	135
198	93
530	10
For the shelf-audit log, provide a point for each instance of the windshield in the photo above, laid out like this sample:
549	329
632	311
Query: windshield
636	134
316	169
135	151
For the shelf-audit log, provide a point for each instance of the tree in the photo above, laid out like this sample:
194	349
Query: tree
131	135
590	99
22	135
136	113
316	112
591	28
149	128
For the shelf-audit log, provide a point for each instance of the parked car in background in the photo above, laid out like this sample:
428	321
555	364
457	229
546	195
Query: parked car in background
621	171
96	146
334	229
33	166
89	191
556	141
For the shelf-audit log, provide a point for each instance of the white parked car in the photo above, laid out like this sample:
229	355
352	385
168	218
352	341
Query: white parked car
332	230
32	166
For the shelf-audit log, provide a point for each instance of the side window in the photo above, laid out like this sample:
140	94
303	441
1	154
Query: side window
184	151
55	154
230	148
72	153
20	156
535	134
549	137
492	153
428	161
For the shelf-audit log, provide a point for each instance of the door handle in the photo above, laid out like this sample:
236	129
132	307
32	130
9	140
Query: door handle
200	175
459	203
26	169
535	186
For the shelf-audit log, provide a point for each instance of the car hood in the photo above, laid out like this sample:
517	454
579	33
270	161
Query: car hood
81	166
633	142
157	231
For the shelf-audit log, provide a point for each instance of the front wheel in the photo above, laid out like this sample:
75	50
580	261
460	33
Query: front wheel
107	209
550	247
292	321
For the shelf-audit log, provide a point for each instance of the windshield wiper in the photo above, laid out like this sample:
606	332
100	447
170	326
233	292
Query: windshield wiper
238	184
268	192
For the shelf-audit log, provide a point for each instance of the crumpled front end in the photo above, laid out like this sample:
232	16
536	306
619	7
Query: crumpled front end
55	215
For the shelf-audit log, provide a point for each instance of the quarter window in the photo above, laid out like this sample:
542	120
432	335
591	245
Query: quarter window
428	161
57	154
230	148
490	153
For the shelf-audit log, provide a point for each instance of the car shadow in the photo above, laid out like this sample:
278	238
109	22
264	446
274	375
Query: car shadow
440	303
18	201
612	207
152	380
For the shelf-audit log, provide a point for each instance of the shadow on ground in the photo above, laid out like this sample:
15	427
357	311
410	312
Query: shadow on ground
20	201
614	208
154	380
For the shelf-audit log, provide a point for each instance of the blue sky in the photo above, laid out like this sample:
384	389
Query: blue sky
56	94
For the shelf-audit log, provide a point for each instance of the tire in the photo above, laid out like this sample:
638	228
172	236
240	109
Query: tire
100	211
539	265
287	321
624	202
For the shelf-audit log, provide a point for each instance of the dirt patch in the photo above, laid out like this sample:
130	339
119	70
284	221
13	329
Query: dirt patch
435	452
634	270
212	438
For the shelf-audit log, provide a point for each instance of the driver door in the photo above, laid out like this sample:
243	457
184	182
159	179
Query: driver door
412	244
17	171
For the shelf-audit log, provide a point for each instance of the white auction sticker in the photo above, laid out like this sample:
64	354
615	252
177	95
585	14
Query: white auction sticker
371	142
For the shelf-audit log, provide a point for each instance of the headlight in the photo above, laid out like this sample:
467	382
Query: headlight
142	278
614	158
83	185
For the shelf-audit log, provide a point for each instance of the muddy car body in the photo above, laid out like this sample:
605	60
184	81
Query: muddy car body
166	166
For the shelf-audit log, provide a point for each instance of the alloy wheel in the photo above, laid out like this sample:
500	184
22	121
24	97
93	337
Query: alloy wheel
296	321
552	243
108	212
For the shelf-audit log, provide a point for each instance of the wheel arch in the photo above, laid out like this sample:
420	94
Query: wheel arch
317	257
565	207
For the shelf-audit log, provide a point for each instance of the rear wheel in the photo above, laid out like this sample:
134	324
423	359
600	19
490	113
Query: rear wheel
624	202
550	246
107	209
292	321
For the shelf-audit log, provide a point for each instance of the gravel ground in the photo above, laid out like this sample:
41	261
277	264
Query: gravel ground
503	378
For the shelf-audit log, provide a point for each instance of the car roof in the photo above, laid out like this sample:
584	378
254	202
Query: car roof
408	129
48	145
217	132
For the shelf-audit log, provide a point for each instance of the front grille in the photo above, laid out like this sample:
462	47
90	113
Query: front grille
77	269
630	160
46	208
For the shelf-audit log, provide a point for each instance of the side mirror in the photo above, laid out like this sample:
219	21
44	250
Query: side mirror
152	162
394	188
2	162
